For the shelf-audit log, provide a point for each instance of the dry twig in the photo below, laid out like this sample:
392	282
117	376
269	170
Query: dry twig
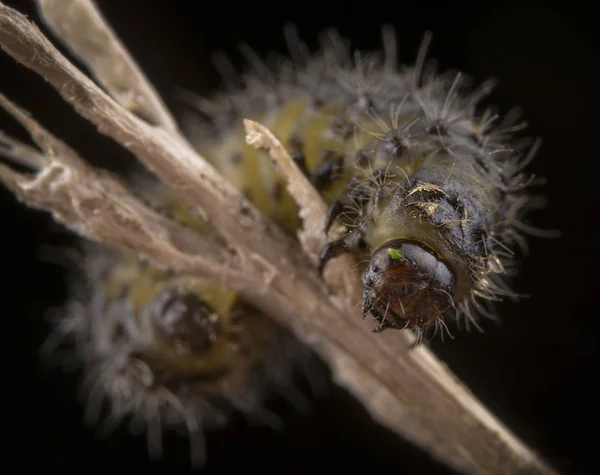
80	25
409	391
313	210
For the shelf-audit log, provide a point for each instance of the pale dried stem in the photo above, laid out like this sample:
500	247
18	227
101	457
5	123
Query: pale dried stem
312	207
82	28
313	210
169	156
409	391
96	204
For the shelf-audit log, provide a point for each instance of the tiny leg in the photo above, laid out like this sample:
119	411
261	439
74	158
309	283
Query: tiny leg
325	174
300	160
336	208
349	243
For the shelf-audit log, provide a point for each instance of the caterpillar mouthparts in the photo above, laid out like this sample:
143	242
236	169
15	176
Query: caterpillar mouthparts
406	285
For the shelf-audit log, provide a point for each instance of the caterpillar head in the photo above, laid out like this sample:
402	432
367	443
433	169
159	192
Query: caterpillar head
188	332
406	285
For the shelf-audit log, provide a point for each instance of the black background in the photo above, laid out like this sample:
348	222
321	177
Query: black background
536	371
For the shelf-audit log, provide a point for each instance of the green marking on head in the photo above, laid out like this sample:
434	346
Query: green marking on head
396	254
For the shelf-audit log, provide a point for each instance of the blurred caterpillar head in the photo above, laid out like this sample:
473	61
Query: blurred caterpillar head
187	333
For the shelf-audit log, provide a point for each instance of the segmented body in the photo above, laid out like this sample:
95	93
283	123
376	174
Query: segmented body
404	157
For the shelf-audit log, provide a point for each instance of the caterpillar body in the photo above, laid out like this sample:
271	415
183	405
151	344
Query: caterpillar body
432	193
167	351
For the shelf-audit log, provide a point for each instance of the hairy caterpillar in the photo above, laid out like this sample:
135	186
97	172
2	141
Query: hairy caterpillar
174	352
319	109
433	191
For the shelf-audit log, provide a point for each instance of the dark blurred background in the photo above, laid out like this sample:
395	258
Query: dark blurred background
536	371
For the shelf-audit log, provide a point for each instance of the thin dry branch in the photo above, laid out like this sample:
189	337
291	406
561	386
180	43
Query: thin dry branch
312	207
170	157
409	391
97	205
313	210
80	25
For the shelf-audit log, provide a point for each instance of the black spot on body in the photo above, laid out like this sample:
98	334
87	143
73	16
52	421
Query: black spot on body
236	158
278	191
317	102
296	143
331	169
244	210
247	192
391	147
361	158
300	160
342	127
365	103
437	128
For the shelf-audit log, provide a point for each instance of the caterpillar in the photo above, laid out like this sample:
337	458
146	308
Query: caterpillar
167	351
432	193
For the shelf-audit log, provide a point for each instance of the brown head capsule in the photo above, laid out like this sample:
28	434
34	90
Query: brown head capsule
406	285
189	336
186	321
